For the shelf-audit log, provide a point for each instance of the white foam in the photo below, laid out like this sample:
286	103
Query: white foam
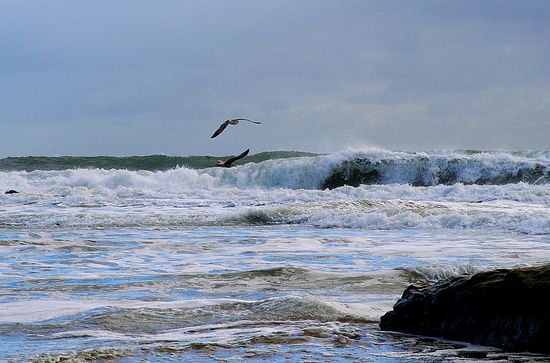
291	173
31	311
282	191
369	311
435	273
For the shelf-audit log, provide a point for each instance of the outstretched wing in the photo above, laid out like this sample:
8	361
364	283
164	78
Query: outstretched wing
235	158
245	119
220	129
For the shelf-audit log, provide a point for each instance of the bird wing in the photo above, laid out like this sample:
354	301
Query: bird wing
235	158
245	119
220	129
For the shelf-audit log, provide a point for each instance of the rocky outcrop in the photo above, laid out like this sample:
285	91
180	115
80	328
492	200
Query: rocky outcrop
509	309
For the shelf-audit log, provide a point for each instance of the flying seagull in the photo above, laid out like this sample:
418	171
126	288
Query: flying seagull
229	162
234	121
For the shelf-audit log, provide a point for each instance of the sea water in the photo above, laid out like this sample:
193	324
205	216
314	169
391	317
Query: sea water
292	257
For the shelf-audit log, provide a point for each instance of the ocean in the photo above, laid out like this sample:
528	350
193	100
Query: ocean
287	257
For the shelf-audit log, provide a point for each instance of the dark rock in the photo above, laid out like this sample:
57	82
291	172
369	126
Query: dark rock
509	309
477	354
11	191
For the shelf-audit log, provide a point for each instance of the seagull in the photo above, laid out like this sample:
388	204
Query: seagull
234	121
229	162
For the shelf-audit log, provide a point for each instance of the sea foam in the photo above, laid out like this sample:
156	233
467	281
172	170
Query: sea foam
396	190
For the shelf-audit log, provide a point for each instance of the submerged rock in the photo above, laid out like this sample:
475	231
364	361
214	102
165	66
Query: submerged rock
509	309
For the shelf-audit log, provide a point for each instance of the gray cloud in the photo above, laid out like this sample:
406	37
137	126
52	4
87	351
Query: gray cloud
141	77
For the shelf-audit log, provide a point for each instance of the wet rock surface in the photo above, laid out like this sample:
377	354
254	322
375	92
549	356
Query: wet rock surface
509	309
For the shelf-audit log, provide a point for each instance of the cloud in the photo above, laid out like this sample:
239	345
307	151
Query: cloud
151	77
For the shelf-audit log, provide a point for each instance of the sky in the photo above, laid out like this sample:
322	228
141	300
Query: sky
133	77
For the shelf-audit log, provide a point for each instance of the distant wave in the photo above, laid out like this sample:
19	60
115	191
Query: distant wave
354	168
148	162
428	169
289	170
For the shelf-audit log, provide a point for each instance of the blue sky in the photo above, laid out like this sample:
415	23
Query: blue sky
142	77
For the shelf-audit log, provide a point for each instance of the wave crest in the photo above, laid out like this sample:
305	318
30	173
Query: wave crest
425	169
354	168
347	168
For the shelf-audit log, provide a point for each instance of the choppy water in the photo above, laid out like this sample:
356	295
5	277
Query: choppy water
260	262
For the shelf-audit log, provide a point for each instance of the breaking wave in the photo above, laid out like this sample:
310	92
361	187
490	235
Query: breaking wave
347	168
428	169
354	168
373	189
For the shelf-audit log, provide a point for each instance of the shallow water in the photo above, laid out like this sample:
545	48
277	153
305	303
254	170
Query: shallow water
254	292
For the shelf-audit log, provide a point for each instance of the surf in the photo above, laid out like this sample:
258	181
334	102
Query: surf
296	170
